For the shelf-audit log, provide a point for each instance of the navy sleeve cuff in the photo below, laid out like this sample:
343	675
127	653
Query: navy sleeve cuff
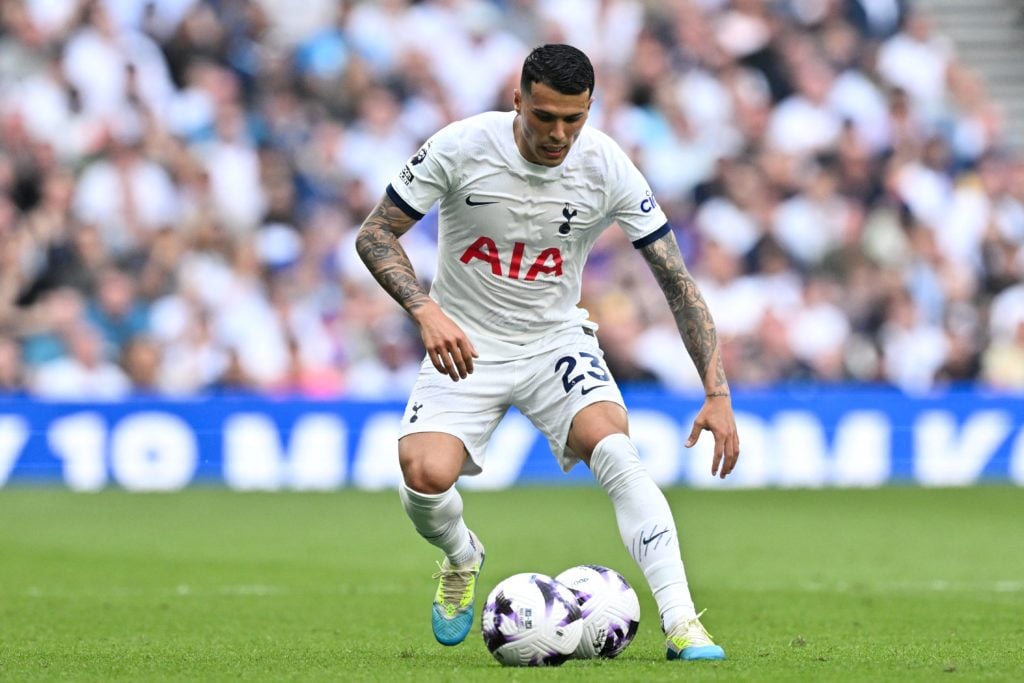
402	204
648	239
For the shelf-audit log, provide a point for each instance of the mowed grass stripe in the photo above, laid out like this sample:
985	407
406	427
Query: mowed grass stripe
853	585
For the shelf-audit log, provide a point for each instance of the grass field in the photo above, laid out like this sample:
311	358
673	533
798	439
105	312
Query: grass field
895	584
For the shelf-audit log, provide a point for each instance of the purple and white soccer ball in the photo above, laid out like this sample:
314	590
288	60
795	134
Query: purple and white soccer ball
609	609
531	620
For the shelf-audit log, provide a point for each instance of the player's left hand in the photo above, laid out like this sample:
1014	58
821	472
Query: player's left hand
716	417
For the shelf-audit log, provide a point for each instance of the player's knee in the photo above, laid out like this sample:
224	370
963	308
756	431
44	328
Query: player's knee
423	480
431	463
421	477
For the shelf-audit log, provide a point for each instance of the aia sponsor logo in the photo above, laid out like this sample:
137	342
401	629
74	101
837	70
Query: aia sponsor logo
547	262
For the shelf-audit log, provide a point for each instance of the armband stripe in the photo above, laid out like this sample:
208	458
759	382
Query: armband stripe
653	237
402	204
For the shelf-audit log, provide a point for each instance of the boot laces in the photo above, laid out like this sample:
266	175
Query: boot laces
454	581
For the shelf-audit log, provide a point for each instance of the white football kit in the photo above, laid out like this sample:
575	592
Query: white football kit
512	241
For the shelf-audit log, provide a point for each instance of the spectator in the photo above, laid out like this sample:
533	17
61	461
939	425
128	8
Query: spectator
819	330
12	371
193	360
82	375
917	61
141	361
814	221
49	322
876	19
126	196
390	371
1003	362
804	123
303	378
116	311
232	166
913	350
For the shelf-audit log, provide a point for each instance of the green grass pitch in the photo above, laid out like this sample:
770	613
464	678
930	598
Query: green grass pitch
894	584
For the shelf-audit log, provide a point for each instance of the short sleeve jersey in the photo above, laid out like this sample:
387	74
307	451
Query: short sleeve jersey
513	236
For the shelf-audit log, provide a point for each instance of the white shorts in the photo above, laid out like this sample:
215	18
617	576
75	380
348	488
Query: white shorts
549	388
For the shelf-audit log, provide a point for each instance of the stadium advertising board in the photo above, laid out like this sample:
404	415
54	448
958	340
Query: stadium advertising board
792	438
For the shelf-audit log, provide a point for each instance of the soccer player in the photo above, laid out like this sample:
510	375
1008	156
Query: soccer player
523	197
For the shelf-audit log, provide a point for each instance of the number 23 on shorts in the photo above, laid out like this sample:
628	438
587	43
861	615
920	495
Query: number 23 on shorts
571	378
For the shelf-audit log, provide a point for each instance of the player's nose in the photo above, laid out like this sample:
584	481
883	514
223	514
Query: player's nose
558	131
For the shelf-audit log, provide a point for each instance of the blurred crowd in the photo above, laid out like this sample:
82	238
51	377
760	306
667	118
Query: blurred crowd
181	182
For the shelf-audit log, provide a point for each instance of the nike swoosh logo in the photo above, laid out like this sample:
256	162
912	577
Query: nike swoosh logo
584	392
470	202
645	541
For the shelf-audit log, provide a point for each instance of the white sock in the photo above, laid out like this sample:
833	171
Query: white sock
645	524
438	518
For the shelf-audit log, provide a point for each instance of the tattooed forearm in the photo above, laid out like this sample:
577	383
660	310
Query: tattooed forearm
378	247
691	313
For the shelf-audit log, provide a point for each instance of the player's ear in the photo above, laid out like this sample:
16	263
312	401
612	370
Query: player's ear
517	99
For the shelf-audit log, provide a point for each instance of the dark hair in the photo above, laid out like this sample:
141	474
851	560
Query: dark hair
562	67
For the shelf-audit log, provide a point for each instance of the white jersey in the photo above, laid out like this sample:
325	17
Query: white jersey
513	235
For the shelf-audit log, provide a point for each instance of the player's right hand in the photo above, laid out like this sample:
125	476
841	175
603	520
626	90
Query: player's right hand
449	348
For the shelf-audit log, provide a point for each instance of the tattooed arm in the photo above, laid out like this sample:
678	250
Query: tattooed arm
697	328
378	247
449	348
690	311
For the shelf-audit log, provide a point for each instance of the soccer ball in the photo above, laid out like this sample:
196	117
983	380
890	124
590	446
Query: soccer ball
531	620
609	608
